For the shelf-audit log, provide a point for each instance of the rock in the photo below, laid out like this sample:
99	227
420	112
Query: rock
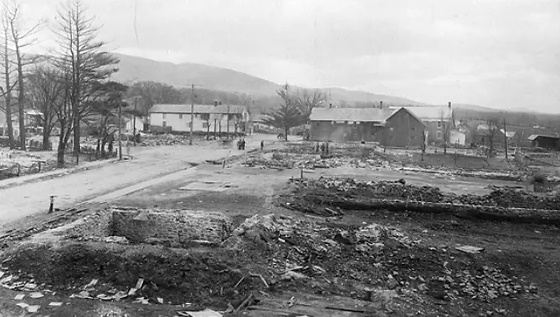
391	282
330	242
318	270
344	237
371	233
363	248
291	275
470	249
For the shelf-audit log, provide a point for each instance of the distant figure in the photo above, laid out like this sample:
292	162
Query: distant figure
239	144
317	147
322	148
280	136
243	144
262	145
327	149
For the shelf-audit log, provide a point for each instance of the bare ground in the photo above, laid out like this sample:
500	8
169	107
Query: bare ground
516	275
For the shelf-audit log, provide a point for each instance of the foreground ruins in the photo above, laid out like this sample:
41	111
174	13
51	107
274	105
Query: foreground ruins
289	232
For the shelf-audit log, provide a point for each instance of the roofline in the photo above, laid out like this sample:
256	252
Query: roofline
408	111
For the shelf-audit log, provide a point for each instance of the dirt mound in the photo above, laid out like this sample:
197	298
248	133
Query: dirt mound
178	277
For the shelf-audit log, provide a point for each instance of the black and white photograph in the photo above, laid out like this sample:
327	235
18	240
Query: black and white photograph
279	158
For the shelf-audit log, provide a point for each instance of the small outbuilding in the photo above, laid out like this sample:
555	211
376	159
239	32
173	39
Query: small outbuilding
550	142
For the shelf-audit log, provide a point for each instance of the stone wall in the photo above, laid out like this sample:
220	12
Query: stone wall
92	227
174	227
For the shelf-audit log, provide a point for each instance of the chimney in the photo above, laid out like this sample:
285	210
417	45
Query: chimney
215	103
381	104
449	104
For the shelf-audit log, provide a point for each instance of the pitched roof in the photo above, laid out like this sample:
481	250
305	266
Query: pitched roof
509	134
168	108
350	114
532	137
431	113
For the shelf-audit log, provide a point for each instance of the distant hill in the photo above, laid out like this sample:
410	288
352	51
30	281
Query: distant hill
339	94
132	69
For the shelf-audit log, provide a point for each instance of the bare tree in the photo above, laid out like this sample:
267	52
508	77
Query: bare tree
19	39
45	90
490	134
7	71
81	58
307	99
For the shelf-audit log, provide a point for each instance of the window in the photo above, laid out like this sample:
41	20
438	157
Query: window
205	125
180	116
439	124
163	116
439	135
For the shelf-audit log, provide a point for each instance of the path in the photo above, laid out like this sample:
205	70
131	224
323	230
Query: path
115	178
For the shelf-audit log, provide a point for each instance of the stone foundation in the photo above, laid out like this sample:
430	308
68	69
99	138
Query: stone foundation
171	226
176	228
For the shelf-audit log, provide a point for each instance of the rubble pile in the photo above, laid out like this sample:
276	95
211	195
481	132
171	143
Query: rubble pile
305	252
384	189
509	198
485	284
163	139
262	162
505	197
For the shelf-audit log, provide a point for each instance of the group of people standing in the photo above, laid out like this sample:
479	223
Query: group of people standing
241	144
324	147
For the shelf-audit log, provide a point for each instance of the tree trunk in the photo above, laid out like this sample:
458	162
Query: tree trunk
9	120
8	92
76	134
20	98
286	130
98	148
46	134
61	145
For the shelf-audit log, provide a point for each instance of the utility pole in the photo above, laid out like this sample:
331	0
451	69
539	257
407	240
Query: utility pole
192	114
505	138
120	143
227	125
134	121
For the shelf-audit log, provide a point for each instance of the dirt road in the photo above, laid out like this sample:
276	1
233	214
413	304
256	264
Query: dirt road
115	177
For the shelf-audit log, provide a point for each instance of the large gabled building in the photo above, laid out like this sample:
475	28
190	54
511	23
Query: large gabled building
390	127
438	121
217	117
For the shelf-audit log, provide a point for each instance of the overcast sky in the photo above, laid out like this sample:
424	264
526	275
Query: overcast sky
502	54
